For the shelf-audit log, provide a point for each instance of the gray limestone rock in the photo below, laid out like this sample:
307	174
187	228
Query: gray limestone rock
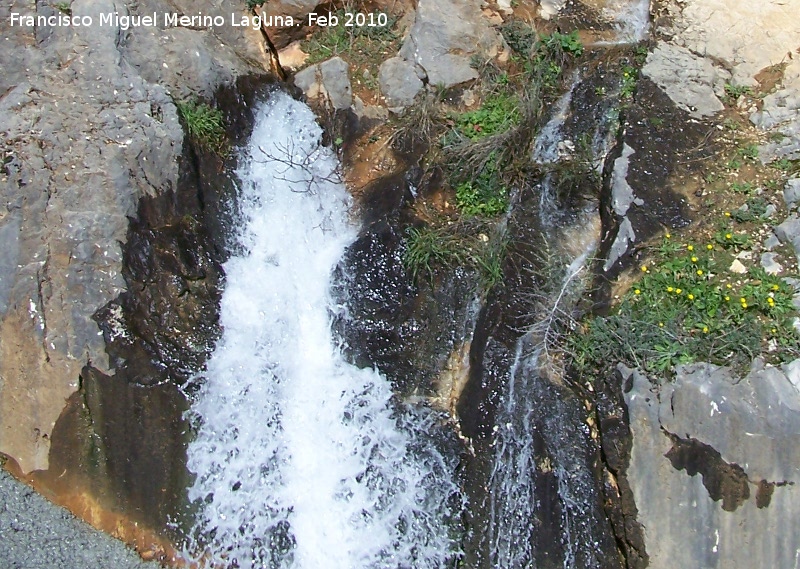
330	80
715	466
88	128
399	82
770	263
691	82
789	232
445	35
771	242
791	192
780	113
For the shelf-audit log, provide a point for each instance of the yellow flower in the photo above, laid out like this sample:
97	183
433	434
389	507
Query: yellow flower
771	301
744	305
743	300
699	272
774	330
667	235
694	259
727	298
727	214
775	287
670	289
637	291
690	296
728	236
644	268
728	285
690	248
709	246
678	291
660	324
705	329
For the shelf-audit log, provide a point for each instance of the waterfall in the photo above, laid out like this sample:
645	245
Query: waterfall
302	460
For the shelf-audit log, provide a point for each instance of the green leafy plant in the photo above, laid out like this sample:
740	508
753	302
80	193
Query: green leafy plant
749	152
746	188
204	125
754	210
733	92
64	7
498	113
569	43
629	77
484	195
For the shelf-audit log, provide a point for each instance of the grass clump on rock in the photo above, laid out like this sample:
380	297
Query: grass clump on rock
204	124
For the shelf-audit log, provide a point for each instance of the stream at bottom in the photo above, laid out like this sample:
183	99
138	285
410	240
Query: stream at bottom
301	459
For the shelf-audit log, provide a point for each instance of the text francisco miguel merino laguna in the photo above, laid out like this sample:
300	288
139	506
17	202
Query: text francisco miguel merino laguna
125	21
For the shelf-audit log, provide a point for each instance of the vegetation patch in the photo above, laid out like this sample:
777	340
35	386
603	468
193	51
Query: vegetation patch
688	306
204	124
454	245
363	47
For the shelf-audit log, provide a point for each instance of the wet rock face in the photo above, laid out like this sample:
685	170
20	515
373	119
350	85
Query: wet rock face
714	466
122	437
405	329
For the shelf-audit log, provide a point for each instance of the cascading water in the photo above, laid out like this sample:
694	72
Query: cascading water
301	459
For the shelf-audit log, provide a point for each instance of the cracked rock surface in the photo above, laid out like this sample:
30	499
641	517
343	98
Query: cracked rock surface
715	466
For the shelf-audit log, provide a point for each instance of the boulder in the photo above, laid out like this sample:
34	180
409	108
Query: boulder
90	131
444	37
746	37
327	80
399	82
791	192
780	112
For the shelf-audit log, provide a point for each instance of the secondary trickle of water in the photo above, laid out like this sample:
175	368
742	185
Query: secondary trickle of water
301	459
632	19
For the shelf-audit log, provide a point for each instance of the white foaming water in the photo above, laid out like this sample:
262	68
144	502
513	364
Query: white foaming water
631	19
301	459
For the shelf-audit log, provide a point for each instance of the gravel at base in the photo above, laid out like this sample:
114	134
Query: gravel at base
35	534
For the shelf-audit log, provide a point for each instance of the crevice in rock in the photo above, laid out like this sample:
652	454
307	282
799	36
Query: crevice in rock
616	443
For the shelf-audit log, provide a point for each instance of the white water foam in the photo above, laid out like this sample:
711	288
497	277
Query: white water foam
301	459
631	20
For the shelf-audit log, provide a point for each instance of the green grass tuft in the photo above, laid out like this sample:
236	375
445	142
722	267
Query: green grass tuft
204	125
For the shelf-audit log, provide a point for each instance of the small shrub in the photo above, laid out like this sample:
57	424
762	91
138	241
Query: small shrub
519	36
204	125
